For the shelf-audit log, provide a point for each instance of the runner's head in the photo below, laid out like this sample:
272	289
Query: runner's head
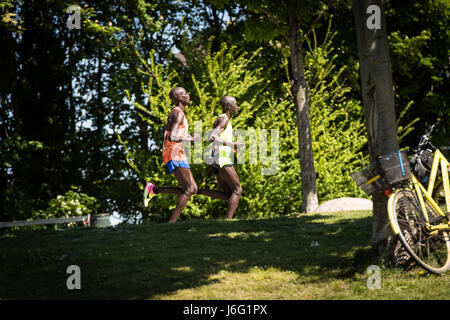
179	95
229	103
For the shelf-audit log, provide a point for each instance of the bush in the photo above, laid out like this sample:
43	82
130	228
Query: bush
72	204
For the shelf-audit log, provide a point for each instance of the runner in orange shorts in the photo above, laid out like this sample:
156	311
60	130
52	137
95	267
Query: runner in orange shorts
176	132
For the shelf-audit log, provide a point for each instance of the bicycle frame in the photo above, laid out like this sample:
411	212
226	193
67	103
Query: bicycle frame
421	192
439	159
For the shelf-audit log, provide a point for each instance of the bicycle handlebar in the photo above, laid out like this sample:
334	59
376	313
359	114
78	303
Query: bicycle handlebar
424	140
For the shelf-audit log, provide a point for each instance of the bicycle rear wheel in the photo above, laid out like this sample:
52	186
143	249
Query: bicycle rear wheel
430	250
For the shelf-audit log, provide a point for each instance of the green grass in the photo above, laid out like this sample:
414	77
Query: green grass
270	258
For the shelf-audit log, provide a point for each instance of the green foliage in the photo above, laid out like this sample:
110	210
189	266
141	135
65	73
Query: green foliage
60	118
279	193
228	72
408	52
21	199
338	132
263	30
73	203
419	42
220	73
337	122
402	129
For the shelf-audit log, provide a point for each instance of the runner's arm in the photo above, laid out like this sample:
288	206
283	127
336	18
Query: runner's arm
175	129
219	125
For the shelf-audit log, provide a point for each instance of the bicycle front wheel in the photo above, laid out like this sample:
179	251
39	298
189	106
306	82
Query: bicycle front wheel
431	250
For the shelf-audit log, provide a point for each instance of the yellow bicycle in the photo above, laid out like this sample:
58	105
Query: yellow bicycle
420	215
419	201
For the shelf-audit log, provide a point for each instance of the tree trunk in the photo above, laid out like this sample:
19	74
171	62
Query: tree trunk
379	107
302	103
75	160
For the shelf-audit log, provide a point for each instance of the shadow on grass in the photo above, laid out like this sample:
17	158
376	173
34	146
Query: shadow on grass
142	262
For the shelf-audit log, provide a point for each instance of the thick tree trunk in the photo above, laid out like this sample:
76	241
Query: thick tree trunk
302	103
379	108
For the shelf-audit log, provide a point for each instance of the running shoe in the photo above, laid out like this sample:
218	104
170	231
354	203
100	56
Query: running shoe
149	193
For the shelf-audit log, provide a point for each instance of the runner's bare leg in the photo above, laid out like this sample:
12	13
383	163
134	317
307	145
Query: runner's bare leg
229	177
188	186
213	194
217	194
170	190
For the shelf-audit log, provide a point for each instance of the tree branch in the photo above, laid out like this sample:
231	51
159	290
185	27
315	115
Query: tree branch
321	13
274	20
156	120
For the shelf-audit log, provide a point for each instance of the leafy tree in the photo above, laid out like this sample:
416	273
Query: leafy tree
33	93
293	20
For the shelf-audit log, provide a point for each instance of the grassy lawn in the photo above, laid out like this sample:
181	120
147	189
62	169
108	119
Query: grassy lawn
318	256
